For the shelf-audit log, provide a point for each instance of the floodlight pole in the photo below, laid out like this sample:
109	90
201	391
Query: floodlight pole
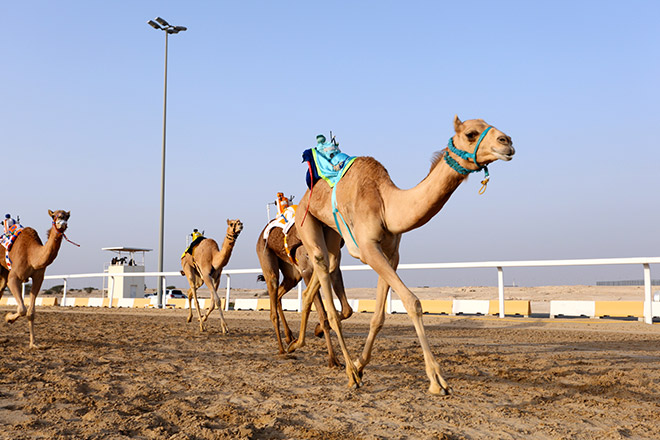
169	29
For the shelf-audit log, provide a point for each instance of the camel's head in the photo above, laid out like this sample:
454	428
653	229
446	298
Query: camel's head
234	227
490	147
60	219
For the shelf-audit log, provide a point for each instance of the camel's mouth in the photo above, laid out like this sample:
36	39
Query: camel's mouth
505	156
60	225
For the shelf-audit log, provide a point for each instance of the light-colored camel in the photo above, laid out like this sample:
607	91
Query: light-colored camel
378	213
29	259
204	266
274	259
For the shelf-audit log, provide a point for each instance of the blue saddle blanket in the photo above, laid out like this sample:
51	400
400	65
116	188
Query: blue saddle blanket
322	168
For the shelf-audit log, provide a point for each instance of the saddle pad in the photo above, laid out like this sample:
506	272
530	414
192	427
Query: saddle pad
323	168
7	240
284	221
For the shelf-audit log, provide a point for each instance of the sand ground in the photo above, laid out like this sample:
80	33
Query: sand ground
146	374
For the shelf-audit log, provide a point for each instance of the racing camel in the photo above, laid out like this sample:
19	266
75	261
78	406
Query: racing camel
29	259
294	265
204	266
374	215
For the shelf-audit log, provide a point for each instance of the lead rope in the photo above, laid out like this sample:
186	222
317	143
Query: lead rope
64	235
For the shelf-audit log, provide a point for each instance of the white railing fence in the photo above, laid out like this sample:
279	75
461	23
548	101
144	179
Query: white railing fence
645	262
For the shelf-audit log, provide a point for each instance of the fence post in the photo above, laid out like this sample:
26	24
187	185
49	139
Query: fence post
300	301
647	295
111	290
500	290
227	293
389	301
23	291
164	290
64	292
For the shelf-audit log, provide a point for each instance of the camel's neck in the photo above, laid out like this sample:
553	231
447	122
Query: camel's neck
222	258
409	209
49	251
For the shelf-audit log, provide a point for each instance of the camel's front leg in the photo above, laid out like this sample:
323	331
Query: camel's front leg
308	295
274	314
338	286
325	325
30	318
212	284
375	258
375	326
37	280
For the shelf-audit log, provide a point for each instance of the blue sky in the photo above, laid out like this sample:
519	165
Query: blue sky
575	84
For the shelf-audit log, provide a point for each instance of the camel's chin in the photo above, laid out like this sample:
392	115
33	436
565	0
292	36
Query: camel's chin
504	157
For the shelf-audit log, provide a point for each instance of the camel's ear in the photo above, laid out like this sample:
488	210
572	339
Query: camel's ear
458	125
228	222
51	213
68	214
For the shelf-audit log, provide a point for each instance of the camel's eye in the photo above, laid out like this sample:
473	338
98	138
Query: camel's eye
472	135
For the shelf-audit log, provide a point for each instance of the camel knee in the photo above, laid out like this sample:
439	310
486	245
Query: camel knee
321	262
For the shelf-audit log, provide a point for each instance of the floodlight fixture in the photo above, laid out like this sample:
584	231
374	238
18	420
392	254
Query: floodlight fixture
154	25
162	22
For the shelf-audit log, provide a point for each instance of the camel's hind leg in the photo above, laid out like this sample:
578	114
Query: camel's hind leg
195	282
4	274
14	285
323	250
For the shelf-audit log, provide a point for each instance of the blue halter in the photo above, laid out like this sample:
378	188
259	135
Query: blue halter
467	156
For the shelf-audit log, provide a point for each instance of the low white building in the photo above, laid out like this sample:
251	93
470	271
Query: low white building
125	286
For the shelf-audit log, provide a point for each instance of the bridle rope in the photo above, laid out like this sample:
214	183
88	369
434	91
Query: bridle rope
467	156
64	235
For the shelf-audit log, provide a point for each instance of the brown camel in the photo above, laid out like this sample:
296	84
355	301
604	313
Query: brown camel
29	259
273	259
377	214
204	266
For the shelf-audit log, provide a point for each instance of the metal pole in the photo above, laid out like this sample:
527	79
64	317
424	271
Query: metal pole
162	186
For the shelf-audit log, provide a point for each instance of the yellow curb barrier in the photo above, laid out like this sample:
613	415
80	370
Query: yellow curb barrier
619	309
437	306
511	307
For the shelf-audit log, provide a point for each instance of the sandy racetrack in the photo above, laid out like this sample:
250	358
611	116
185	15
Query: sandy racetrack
146	374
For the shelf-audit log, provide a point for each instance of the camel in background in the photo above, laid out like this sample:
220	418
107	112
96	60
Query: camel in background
377	213
29	259
294	266
205	266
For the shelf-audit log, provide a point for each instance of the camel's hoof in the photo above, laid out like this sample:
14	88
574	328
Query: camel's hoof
318	331
348	314
292	347
440	391
189	319
334	363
